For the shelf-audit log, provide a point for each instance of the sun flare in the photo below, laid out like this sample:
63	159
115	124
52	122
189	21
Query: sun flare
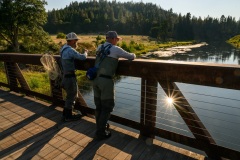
169	100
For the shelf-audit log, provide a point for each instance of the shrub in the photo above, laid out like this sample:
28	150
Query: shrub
124	46
34	83
3	76
132	47
61	35
85	45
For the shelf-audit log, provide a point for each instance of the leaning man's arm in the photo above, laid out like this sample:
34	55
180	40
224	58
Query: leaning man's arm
78	55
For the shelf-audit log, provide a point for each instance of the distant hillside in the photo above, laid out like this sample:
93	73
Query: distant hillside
130	18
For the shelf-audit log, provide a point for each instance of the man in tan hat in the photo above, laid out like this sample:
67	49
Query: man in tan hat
103	84
69	82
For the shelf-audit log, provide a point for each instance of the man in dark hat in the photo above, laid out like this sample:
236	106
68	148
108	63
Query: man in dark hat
103	84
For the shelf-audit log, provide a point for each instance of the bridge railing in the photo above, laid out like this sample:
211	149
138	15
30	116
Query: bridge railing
189	84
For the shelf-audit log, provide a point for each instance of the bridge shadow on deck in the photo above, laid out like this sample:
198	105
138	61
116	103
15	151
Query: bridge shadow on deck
32	129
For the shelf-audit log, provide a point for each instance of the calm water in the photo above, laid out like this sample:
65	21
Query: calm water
218	109
221	53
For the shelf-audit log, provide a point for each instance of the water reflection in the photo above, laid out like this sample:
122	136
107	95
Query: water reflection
213	53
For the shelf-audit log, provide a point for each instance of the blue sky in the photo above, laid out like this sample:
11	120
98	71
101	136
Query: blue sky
203	8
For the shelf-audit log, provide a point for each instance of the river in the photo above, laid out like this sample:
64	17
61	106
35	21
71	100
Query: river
218	109
221	53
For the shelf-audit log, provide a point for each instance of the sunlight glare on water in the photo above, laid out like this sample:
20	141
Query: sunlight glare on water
169	100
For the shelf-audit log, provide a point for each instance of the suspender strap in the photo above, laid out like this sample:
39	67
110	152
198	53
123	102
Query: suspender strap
103	53
105	76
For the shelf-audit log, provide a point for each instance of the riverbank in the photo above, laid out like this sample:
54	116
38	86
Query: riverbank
138	44
168	52
234	41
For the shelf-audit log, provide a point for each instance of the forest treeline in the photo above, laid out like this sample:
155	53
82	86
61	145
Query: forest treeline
25	25
131	18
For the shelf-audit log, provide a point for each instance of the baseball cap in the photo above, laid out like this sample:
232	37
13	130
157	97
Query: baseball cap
72	36
112	34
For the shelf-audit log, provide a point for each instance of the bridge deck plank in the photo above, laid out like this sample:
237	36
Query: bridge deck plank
32	129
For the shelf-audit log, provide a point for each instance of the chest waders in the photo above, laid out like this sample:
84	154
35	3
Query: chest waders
69	84
103	87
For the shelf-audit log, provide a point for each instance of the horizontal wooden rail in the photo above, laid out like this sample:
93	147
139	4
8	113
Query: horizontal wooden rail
207	74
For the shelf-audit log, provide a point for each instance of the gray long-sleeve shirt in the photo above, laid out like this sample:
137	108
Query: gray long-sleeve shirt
109	65
68	55
117	52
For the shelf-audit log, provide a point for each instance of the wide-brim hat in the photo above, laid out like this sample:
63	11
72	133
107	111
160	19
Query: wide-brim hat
72	36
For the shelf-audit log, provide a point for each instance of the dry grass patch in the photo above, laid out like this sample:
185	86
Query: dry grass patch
92	38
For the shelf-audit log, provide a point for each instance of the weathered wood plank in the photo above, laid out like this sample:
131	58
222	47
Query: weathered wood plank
30	138
12	118
26	132
119	139
43	136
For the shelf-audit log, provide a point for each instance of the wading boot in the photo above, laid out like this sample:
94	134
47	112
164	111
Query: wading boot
68	116
103	135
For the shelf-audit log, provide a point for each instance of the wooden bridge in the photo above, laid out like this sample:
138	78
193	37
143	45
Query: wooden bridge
31	126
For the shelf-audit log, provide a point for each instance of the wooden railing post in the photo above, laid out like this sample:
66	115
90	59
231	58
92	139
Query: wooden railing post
14	75
148	107
82	106
11	77
57	97
189	116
